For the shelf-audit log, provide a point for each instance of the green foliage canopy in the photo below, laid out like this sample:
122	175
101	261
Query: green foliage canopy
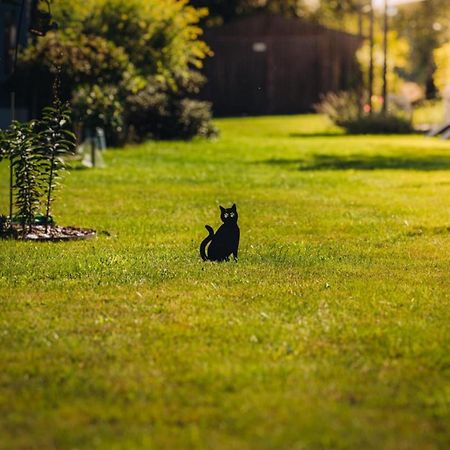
81	58
110	49
442	73
158	37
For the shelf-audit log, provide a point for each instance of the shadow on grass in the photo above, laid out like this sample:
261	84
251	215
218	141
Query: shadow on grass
332	134
77	167
366	162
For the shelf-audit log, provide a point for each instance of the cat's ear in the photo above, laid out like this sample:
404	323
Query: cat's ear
234	207
222	208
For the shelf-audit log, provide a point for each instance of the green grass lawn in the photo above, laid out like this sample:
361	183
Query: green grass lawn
331	332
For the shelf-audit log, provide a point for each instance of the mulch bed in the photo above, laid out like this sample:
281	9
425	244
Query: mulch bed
54	233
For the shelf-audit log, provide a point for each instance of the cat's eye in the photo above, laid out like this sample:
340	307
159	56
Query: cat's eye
231	214
225	215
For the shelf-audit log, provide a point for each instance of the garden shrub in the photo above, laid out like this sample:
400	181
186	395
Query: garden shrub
83	60
344	110
195	119
159	37
160	112
340	107
110	54
99	106
379	123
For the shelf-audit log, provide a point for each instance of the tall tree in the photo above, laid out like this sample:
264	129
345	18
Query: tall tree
426	25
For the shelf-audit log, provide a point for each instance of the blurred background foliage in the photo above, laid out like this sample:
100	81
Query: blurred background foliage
399	62
134	66
442	62
113	52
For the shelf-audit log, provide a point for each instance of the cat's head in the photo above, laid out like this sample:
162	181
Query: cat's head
229	215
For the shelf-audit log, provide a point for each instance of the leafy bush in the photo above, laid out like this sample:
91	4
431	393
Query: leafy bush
343	109
195	119
340	107
379	123
159	112
115	55
97	106
82	60
158	37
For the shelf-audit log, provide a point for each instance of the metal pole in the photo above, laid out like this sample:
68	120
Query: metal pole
385	48
93	149
13	107
371	43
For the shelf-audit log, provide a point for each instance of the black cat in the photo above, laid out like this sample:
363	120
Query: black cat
226	240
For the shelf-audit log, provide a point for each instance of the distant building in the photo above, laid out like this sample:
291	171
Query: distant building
270	64
9	22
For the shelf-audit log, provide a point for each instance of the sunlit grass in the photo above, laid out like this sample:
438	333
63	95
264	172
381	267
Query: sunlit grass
429	113
331	332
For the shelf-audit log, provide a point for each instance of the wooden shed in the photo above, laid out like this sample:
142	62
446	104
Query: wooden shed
271	64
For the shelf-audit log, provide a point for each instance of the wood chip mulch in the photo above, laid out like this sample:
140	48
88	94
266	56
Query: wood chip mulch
54	233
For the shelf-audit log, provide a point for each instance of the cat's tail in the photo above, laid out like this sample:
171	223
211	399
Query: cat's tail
205	242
